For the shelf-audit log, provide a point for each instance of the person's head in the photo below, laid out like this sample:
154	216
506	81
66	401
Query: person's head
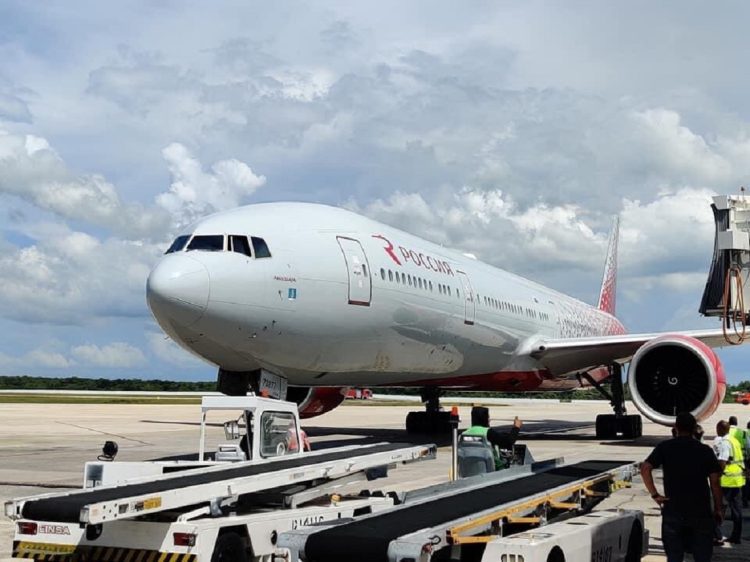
722	428
480	416
698	432
733	420
685	424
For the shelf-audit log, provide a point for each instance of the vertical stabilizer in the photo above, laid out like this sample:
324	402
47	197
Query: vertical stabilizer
608	292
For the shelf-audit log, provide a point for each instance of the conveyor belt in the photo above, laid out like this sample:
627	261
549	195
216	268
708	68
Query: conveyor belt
68	507
370	537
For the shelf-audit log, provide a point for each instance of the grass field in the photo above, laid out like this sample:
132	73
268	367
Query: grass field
72	399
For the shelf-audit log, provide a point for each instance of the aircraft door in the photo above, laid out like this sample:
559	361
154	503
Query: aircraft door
469	303
358	269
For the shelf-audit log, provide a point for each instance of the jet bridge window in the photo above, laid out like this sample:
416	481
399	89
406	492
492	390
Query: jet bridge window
178	244
239	244
210	243
260	247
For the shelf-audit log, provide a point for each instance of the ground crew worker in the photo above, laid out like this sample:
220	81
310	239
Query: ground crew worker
689	467
746	489
480	427
731	459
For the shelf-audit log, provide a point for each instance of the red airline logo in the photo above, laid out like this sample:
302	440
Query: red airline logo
415	257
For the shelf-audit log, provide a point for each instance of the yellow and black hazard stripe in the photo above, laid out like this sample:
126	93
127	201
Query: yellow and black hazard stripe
47	552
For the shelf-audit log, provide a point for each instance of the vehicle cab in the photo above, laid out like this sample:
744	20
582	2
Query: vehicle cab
274	430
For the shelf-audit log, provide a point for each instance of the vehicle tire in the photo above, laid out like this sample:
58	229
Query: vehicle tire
556	555
635	543
229	547
745	402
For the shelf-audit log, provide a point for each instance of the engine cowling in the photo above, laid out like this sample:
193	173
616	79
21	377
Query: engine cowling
315	400
674	373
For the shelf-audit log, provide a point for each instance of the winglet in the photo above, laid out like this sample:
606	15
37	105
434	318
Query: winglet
608	292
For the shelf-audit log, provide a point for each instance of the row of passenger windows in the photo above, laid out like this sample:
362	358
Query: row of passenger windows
417	282
514	308
238	243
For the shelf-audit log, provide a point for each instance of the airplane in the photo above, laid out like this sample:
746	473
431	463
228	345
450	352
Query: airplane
311	299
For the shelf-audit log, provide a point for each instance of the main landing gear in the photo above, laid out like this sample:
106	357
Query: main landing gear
433	419
620	424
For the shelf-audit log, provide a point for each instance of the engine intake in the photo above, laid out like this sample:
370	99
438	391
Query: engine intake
674	373
315	400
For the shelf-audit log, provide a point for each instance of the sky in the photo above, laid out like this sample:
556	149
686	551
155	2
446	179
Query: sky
514	131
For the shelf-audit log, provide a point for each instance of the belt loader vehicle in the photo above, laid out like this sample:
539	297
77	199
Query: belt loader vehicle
231	507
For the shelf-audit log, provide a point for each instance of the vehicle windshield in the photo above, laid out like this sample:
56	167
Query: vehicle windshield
278	434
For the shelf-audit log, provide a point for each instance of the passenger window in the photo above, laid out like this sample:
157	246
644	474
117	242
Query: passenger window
260	248
409	278
382	274
430	286
420	282
239	245
364	270
390	275
212	243
278	434
178	244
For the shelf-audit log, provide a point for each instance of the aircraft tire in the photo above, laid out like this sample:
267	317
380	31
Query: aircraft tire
606	426
428	422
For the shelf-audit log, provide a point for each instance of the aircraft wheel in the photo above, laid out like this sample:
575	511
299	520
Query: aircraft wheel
229	548
605	426
428	422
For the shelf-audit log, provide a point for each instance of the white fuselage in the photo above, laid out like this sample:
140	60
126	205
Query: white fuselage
344	300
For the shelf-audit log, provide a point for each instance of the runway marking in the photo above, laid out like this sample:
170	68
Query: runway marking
104	432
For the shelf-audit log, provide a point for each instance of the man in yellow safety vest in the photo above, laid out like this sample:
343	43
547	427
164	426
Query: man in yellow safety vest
732	461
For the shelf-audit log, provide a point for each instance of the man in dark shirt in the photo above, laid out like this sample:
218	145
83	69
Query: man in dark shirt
688	517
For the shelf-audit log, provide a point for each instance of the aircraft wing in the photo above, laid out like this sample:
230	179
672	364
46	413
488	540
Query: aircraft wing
561	356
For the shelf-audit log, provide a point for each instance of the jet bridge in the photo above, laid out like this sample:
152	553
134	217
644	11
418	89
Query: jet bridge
727	292
467	513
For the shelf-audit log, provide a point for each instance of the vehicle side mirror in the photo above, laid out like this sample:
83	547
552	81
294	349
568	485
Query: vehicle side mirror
231	430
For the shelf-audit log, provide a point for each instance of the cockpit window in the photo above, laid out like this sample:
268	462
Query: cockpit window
239	244
260	248
178	244
211	243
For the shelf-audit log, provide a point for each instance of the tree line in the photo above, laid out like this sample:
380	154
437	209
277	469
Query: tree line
156	385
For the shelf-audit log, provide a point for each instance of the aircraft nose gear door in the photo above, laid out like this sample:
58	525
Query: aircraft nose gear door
469	304
360	284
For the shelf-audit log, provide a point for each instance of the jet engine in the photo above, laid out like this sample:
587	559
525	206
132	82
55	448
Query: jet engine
674	373
315	400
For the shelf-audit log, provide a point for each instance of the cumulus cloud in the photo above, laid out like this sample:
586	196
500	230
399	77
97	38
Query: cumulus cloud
32	170
195	192
166	350
69	277
115	355
36	358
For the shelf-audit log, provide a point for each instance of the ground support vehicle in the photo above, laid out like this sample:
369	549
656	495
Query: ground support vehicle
457	521
229	512
274	430
600	536
742	398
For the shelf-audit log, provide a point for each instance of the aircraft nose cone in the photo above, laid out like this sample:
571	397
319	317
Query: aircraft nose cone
177	289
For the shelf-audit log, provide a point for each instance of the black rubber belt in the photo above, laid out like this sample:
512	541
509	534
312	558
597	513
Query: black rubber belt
68	508
367	540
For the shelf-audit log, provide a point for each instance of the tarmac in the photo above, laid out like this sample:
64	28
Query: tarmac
43	446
